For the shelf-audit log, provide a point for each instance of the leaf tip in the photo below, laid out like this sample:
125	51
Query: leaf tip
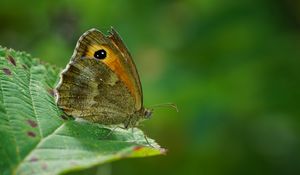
163	151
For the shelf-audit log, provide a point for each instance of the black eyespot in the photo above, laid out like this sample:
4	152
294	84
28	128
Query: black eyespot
100	54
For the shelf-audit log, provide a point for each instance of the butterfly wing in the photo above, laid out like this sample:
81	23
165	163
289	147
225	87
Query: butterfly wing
90	90
119	59
105	91
129	66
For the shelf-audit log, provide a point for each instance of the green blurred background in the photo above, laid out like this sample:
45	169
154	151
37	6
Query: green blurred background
232	67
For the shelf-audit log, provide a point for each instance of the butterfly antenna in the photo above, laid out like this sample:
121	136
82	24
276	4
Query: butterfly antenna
163	105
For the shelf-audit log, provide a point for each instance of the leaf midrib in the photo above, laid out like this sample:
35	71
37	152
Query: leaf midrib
42	138
33	104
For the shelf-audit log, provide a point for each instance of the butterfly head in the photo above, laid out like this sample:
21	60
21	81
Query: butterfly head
147	113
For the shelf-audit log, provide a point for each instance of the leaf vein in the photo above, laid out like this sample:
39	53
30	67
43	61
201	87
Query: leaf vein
33	103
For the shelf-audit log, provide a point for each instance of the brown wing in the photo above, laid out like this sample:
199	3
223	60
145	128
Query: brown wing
105	91
90	90
119	59
129	64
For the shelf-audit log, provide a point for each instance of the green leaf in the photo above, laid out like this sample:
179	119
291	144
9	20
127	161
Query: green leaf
34	139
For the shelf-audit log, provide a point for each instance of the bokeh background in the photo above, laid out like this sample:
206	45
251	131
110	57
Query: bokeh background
232	67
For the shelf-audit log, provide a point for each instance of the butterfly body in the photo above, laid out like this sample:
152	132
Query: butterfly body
101	83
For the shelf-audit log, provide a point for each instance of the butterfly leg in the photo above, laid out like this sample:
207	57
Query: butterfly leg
65	116
148	141
127	123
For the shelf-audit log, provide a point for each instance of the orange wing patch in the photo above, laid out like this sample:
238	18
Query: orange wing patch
113	62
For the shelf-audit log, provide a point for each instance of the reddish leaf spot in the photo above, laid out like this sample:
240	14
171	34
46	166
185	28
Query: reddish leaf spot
11	60
24	66
31	134
44	166
32	123
137	148
51	92
6	71
33	159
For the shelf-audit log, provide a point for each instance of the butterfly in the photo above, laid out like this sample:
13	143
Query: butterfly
101	83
